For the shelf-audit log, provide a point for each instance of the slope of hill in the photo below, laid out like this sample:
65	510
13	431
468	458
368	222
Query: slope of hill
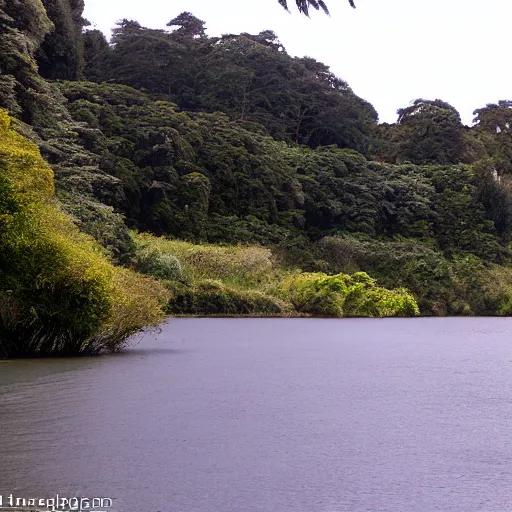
232	141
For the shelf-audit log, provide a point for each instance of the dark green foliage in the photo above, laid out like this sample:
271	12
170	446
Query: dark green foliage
194	195
495	198
187	26
22	27
81	185
461	223
495	118
23	24
251	229
171	187
345	192
8	100
96	55
249	77
60	55
494	130
205	177
432	133
214	298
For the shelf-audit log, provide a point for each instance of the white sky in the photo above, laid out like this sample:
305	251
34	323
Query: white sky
389	51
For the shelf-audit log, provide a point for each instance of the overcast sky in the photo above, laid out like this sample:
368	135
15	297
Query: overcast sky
389	51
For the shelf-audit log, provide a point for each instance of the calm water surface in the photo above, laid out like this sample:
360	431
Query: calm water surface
274	415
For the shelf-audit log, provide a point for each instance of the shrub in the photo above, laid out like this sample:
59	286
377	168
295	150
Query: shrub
441	285
64	297
494	288
317	293
343	295
137	302
154	262
379	302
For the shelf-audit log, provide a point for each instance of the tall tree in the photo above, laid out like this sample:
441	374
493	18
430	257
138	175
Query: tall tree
96	54
432	132
493	127
141	57
187	25
495	117
60	55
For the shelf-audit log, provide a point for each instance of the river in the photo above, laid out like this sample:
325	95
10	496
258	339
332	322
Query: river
271	415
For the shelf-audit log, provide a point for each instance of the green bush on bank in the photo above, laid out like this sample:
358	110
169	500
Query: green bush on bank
342	295
209	279
494	288
154	262
59	293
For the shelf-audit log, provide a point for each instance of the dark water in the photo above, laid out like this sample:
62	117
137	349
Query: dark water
277	415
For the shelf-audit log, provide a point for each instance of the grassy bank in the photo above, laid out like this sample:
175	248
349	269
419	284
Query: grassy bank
249	280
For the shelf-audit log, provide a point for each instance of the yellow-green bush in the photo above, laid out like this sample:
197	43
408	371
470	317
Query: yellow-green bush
59	294
247	266
379	302
344	295
136	302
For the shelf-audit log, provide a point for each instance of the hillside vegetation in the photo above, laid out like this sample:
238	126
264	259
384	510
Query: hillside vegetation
240	179
245	280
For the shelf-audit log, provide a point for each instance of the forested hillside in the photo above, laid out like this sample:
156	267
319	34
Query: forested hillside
230	140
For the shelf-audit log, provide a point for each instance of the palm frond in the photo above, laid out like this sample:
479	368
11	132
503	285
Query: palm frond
321	3
283	3
304	5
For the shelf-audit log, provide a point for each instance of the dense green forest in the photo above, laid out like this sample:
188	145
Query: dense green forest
237	178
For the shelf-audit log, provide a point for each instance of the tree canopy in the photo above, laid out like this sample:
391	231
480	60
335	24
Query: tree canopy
250	77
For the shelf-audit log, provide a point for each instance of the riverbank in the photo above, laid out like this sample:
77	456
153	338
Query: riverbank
251	281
